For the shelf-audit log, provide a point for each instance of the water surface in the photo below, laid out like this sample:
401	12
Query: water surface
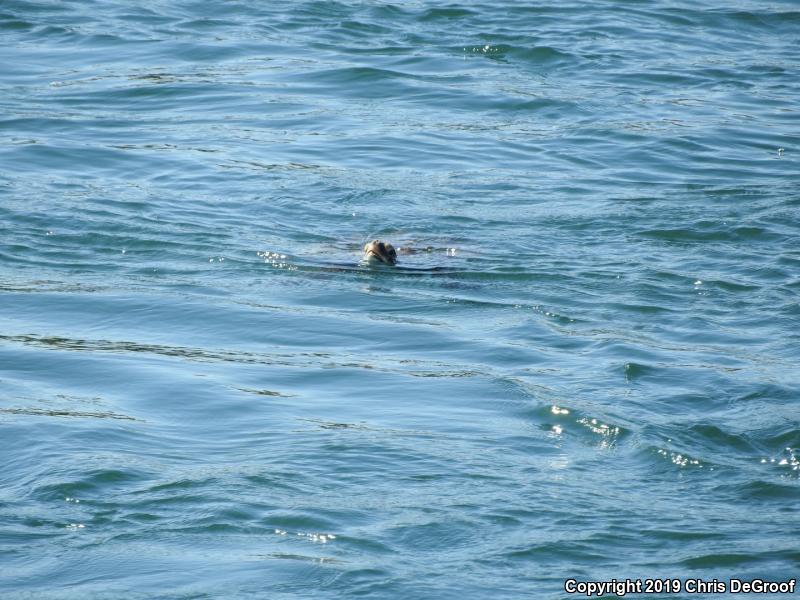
588	369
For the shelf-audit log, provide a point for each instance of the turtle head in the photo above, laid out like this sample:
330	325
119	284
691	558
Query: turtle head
383	252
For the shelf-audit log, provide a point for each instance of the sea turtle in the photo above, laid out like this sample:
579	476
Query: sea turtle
377	251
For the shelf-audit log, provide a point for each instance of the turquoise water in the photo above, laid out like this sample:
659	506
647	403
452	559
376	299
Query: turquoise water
587	369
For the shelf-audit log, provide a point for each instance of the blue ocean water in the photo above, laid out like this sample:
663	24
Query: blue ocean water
585	365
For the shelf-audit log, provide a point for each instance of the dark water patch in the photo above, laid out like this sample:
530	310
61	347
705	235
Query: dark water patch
541	55
360	75
683	536
711	232
289	481
664	78
382	50
27	534
185	97
739	560
97	482
765	491
174	487
12	23
445	374
711	435
270	393
556	552
143	517
634	371
787	436
434	536
763	19
643	309
209	528
359	29
61	157
133	347
731	286
543	107
449	13
340	426
42	412
204	24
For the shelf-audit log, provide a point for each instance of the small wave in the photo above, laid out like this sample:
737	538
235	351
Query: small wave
450	13
543	55
739	560
10	23
92	483
362	75
707	232
634	371
773	19
764	490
